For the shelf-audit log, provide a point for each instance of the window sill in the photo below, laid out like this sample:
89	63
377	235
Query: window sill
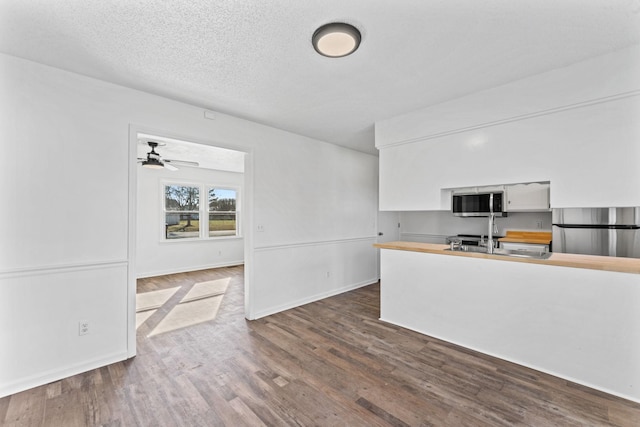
199	240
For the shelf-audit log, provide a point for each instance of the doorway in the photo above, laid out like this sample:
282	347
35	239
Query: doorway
191	216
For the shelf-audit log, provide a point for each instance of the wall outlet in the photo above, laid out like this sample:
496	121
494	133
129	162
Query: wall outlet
84	327
539	224
260	228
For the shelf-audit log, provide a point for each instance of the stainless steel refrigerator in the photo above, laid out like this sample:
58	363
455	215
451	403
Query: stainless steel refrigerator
597	231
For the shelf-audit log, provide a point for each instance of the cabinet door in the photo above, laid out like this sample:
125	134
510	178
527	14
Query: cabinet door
527	197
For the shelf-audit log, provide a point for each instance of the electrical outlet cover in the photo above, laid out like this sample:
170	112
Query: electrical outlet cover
83	327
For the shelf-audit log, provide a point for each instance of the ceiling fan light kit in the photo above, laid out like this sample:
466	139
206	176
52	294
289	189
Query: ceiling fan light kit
152	164
153	158
336	39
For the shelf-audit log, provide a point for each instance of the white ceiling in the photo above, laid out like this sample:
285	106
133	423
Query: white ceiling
254	59
206	156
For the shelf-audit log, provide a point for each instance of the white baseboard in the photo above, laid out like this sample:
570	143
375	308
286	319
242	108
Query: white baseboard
313	298
57	374
187	269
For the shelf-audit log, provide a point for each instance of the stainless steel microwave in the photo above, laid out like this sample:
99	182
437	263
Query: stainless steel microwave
478	204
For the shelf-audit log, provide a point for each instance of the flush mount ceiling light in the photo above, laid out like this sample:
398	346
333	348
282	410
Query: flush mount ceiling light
336	39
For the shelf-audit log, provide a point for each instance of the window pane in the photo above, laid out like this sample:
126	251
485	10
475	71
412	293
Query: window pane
222	199
222	212
182	225
181	198
222	224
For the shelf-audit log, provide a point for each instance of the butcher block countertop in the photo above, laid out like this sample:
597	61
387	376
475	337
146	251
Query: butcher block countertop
535	237
622	265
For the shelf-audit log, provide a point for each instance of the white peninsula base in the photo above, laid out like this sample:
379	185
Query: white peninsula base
578	324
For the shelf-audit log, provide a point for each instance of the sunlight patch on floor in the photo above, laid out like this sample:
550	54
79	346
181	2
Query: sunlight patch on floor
142	317
200	304
207	289
189	313
154	299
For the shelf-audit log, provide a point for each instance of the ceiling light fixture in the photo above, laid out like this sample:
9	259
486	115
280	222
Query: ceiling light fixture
152	164
153	159
336	39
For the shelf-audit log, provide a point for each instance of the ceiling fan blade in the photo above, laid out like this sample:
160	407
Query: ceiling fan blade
170	167
181	162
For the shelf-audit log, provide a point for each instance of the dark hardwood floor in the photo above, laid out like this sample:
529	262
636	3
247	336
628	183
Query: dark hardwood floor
329	363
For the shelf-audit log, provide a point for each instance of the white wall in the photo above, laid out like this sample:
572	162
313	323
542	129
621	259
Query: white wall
576	127
435	226
155	256
70	178
317	207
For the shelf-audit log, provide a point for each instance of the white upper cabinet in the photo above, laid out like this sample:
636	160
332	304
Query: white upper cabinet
527	197
575	127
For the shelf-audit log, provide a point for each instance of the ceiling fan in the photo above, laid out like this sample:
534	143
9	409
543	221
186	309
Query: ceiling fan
154	161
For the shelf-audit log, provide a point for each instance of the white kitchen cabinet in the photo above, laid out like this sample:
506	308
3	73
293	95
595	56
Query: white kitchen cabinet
533	196
526	131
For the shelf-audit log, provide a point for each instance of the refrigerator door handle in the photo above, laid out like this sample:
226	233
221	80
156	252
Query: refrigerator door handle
599	227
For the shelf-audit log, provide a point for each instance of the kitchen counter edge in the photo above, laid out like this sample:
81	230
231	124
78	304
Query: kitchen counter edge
592	262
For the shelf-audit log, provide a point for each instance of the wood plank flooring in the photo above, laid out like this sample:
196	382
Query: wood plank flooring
329	363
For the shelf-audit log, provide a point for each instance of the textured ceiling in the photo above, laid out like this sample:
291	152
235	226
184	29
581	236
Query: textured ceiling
254	59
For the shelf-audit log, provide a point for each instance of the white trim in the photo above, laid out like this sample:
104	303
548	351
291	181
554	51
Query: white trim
61	268
196	240
132	286
313	243
313	298
512	119
190	268
247	220
26	383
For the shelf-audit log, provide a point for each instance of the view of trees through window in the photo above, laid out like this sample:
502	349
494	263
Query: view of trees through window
183	210
222	212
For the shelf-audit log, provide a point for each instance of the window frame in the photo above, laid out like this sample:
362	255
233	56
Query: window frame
236	212
203	211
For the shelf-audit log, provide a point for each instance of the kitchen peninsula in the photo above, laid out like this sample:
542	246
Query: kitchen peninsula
572	316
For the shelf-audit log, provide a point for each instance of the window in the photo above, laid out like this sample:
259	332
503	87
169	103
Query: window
183	209
222	212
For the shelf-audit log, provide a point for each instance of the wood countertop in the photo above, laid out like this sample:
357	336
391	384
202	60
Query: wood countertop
621	265
536	237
